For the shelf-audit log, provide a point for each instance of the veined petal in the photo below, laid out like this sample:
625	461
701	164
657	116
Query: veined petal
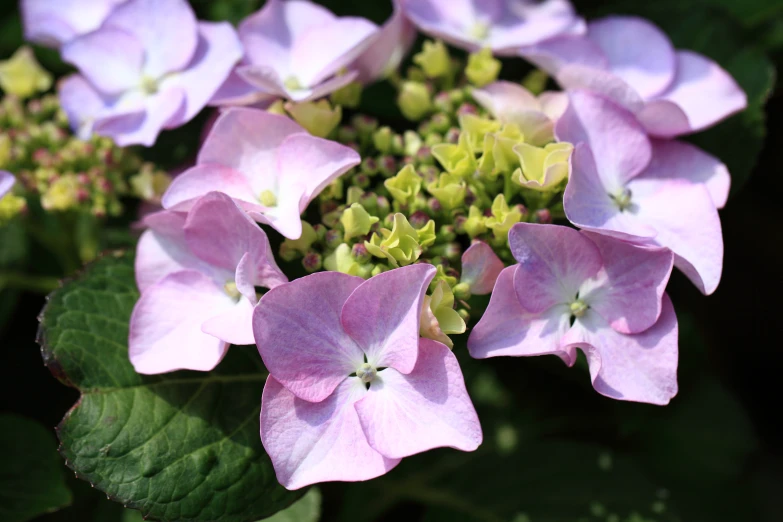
553	54
575	77
402	415
507	329
300	338
640	367
554	262
382	316
111	59
204	178
318	442
165	327
481	267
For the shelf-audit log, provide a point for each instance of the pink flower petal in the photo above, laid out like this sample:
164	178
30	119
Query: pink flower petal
663	119
507	329
300	338
219	232
640	368
553	54
681	160
638	52
7	181
554	261
235	91
217	52
235	325
129	127
111	59
388	48
81	103
166	29
382	316
627	291
480	268
704	91
527	23
619	144
574	77
266	80
204	178
165	327
55	22
402	415
318	442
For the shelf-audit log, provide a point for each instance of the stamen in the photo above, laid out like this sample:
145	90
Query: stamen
268	198
231	289
578	308
292	84
479	31
366	373
149	85
622	199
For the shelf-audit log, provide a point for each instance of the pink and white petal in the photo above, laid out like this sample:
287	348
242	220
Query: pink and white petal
553	104
235	325
553	54
219	232
663	119
311	163
588	205
577	77
480	268
247	140
528	23
554	262
285	218
640	367
53	23
81	103
129	129
686	221
503	96
620	147
111	59
235	91
217	51
263	78
506	329
638	52
267	80
388	48
450	20
402	415
318	442
382	316
348	37
704	91
681	160
322	89
167	30
204	178
300	338
165	327
627	291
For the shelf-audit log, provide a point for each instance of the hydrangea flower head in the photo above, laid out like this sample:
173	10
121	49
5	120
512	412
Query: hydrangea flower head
55	22
150	66
270	165
197	274
653	192
631	61
576	289
500	25
352	388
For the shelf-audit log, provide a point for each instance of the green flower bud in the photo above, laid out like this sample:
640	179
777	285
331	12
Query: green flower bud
342	260
346	134
482	68
353	195
433	59
318	117
348	96
427	234
542	168
505	158
360	253
278	107
433	139
305	241
449	189
62	194
446	234
462	291
364	125
414	100
442	102
405	186
535	81
400	246
413	143
356	221
474	128
22	75
456	159
440	123
10	206
441	274
382	139
438	317
333	238
476	224
502	219
312	262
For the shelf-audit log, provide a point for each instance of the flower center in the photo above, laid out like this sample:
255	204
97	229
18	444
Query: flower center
366	373
292	84
149	85
578	308
479	30
231	289
268	198
622	198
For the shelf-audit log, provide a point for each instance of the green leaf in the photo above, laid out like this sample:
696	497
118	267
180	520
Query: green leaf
306	509
180	446
32	481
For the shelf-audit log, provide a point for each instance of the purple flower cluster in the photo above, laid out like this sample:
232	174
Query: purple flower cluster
353	388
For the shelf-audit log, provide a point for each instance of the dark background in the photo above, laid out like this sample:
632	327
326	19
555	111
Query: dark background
732	337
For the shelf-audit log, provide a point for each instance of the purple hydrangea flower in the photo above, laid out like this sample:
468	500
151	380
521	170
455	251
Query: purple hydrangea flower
501	25
7	181
650	191
56	22
352	388
150	66
628	59
197	274
270	165
581	290
481	267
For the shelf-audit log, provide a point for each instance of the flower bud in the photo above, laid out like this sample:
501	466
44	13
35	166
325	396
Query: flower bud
342	260
482	68
22	75
382	139
462	291
440	123
346	134
364	125
542	168
383	206
400	246
333	238
449	189
446	233
405	186
438	317
442	102
456	159
414	100
543	216
361	180
387	166
318	117
360	253
356	221
348	96
502	218
418	219
427	234
424	156
305	241
433	59
476	222
413	143
353	195
467	108
452	135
